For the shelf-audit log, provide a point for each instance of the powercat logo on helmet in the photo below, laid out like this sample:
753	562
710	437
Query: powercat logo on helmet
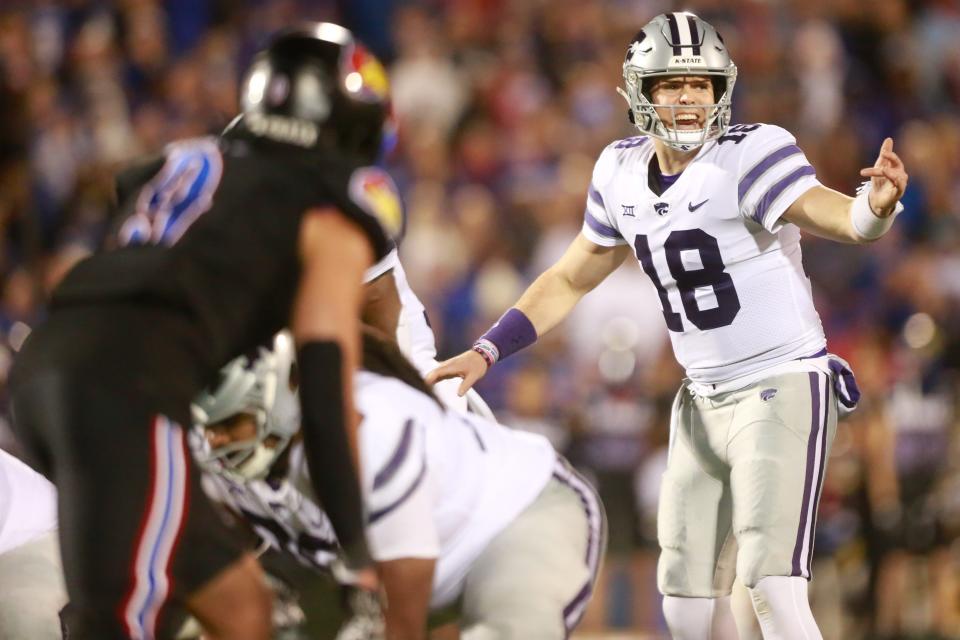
363	76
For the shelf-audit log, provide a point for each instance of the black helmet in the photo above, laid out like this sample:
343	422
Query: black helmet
315	86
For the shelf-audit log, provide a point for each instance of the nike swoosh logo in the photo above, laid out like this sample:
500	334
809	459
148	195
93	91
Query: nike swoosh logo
694	207
648	50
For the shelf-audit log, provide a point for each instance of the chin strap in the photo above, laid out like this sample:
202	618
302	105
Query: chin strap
630	116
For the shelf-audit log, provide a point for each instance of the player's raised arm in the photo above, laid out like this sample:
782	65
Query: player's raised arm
865	218
334	254
542	306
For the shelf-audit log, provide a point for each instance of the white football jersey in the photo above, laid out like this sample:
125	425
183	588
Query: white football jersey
414	334
28	503
436	484
727	270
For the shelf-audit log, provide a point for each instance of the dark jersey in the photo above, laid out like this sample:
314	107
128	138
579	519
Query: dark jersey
210	232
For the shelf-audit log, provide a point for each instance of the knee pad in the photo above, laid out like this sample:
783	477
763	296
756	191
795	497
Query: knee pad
755	557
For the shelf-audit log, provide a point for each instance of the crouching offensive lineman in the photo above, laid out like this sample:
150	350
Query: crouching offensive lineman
464	516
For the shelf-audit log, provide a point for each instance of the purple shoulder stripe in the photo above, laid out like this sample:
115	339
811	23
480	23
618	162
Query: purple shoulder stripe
760	214
600	228
399	455
763	166
380	513
594	195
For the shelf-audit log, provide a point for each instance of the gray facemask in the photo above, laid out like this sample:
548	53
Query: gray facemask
677	44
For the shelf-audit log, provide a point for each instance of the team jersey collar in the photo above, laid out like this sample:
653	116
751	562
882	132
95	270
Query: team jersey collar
655	182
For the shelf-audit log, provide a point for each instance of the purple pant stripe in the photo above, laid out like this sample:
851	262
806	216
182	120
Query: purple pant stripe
595	536
820	474
808	478
577	601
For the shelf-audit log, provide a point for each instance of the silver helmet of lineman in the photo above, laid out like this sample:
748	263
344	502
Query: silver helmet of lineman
265	388
678	43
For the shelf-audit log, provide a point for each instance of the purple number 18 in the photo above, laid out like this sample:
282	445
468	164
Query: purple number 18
712	274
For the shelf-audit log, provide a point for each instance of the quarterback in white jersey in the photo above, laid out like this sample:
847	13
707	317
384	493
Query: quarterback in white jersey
32	591
731	196
714	213
464	514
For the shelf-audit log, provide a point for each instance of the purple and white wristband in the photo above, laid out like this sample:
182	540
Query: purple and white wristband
512	332
487	350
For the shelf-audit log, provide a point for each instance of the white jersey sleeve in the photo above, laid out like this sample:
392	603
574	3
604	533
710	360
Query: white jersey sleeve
28	503
387	263
773	173
440	484
599	226
400	497
414	335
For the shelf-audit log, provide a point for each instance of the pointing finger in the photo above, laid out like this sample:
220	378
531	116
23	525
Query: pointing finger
887	146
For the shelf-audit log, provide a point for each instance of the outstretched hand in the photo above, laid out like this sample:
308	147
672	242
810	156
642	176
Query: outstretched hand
888	179
469	365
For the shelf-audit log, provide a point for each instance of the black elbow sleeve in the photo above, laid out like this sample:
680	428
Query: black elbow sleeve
327	447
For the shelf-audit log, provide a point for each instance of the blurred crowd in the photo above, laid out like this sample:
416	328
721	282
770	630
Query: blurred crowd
503	107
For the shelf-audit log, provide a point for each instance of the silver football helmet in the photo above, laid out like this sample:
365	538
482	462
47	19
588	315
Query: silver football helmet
265	388
673	44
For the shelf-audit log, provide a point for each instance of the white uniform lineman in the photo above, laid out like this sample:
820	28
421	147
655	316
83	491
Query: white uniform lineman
414	335
416	339
517	534
31	575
